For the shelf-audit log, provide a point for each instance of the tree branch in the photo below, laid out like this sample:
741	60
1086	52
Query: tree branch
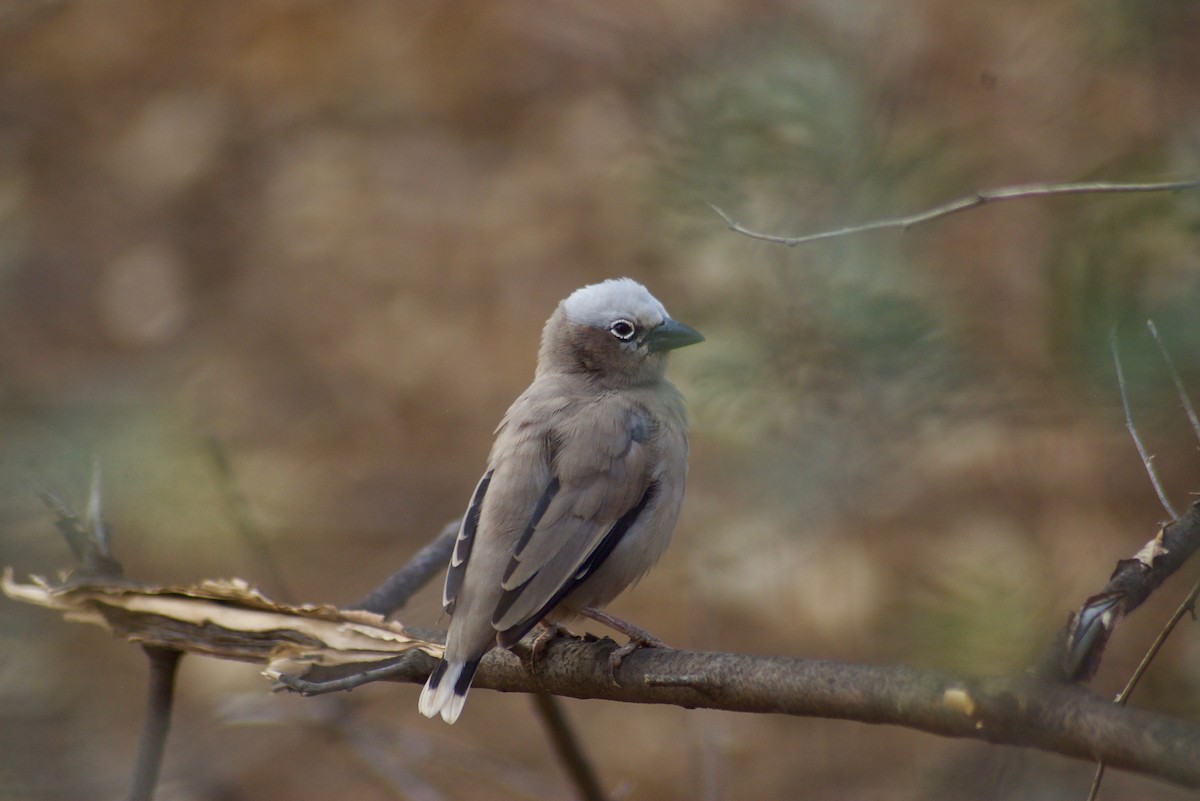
1023	711
1130	585
318	648
1147	459
980	198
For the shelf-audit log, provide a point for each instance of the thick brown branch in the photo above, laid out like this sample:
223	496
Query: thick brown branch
1024	711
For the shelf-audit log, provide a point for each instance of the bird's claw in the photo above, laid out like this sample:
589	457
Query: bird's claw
646	640
549	633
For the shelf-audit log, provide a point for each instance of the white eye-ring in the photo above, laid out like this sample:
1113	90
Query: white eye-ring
622	330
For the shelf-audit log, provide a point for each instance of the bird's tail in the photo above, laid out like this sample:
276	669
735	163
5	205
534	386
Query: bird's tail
446	690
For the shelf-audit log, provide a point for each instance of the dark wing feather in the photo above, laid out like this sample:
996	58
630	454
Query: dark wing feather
539	512
463	544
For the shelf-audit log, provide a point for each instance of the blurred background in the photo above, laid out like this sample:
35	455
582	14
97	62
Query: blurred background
317	241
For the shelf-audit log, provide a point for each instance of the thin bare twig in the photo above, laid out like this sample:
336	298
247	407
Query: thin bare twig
1147	459
1188	605
351	679
980	198
1184	400
243	523
1096	780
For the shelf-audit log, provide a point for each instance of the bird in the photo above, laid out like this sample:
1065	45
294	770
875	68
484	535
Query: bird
583	485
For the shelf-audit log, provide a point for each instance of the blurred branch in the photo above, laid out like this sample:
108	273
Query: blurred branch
567	746
87	537
235	501
160	699
980	198
393	593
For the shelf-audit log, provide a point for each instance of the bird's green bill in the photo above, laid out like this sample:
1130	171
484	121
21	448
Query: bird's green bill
673	334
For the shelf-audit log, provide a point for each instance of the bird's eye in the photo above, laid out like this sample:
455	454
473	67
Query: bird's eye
623	330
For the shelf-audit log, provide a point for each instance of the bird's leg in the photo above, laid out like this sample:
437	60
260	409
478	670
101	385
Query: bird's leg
548	634
638	638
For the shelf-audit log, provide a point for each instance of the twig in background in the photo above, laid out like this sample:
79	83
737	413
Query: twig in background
979	198
1184	400
96	526
376	749
243	523
160	698
1147	459
567	746
397	589
87	537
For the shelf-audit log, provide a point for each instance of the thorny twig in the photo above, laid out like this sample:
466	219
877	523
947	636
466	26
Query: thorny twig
1147	459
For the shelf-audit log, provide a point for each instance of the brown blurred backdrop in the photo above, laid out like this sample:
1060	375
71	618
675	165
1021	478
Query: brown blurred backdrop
325	236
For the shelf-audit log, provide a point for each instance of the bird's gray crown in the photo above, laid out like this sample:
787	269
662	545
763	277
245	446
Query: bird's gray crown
598	305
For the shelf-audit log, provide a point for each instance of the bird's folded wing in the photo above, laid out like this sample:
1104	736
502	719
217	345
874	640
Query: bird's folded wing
601	473
463	544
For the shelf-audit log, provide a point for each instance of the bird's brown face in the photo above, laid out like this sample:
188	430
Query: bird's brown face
629	350
614	332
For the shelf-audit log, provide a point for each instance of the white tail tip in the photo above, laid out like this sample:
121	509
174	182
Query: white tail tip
441	694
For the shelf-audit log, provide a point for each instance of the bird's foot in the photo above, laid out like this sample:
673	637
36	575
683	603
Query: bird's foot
548	634
638	638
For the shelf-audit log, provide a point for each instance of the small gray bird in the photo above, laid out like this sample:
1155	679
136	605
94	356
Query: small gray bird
583	484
